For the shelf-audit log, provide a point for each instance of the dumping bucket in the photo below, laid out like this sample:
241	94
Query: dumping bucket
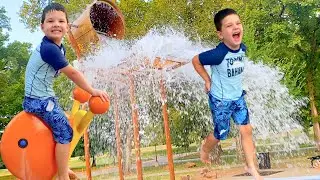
102	17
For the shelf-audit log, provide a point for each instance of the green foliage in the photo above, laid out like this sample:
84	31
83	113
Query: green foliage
4	20
286	34
134	12
190	119
155	132
30	14
79	149
13	61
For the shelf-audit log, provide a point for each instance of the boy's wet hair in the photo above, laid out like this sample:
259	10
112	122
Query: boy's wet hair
53	7
221	15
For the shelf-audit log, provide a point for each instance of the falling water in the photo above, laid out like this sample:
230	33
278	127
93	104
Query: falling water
274	113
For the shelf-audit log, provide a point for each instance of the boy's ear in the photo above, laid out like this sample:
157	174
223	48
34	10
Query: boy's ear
41	26
220	35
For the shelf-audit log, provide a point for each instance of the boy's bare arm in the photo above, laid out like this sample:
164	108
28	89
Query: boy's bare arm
78	78
200	69
202	72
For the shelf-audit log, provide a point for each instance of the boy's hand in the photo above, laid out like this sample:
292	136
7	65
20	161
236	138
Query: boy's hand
102	94
207	86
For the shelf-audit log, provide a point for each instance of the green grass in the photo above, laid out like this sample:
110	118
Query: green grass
162	172
5	175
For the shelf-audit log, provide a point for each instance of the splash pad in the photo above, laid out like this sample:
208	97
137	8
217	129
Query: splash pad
152	59
140	59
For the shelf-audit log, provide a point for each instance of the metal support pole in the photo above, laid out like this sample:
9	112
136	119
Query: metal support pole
135	128
167	128
119	153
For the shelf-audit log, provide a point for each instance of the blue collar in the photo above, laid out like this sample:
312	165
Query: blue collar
46	39
233	51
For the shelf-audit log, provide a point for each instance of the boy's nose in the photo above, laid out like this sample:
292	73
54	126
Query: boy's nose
56	24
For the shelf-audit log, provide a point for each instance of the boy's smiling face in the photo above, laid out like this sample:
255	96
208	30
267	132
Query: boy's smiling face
231	31
55	26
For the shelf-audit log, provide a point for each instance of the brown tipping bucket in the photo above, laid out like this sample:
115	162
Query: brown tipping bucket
101	17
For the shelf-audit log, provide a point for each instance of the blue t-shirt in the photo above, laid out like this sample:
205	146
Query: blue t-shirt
227	66
44	64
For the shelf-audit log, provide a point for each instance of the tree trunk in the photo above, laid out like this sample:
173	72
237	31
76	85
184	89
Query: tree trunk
155	152
311	90
314	111
94	164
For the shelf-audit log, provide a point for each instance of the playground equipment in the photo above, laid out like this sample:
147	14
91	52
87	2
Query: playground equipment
27	145
128	72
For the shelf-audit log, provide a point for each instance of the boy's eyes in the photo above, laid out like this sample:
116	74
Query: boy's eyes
61	21
229	25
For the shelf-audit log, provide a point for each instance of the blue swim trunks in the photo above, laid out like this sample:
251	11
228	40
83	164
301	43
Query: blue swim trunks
223	110
51	113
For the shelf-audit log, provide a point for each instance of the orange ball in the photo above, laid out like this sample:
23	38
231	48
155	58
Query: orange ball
81	95
28	148
97	106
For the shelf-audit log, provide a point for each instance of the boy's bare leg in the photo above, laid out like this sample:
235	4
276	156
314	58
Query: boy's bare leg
62	157
206	147
248	148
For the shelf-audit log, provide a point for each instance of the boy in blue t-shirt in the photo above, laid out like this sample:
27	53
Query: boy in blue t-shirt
46	63
224	87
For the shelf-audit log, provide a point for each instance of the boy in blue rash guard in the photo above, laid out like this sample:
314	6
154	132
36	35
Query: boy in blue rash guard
224	87
46	63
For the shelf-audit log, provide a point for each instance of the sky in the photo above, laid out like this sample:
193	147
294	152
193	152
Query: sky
18	30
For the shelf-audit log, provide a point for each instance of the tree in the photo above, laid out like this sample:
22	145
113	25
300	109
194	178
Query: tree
4	20
134	12
287	34
13	60
190	119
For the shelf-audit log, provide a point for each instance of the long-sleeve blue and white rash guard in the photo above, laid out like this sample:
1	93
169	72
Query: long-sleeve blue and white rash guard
44	64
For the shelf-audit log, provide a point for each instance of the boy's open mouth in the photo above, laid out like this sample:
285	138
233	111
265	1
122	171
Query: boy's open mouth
56	30
236	35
